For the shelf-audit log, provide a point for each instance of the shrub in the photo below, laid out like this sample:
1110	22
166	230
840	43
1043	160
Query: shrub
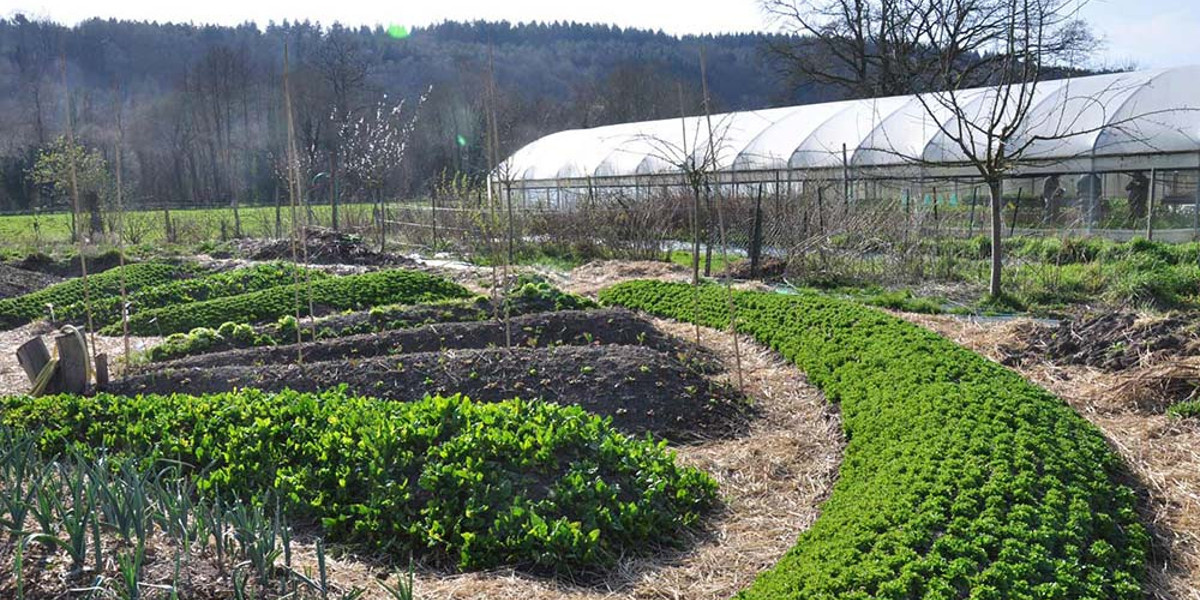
960	479
68	296
512	483
207	287
339	293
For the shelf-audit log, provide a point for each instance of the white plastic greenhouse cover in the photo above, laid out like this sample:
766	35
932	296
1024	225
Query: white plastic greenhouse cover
1071	123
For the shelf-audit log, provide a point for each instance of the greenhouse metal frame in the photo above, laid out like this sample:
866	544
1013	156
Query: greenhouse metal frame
1104	125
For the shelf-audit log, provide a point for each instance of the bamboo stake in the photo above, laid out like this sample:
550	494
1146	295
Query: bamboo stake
121	237
293	187
690	173
87	288
737	353
494	143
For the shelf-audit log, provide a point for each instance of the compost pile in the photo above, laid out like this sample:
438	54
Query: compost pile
1109	341
324	247
769	269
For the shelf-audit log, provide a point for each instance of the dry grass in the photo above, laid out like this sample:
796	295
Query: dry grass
1162	453
587	280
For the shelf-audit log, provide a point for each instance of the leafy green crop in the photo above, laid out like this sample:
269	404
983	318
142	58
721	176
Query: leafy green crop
101	287
1186	409
533	290
216	285
341	293
512	483
960	479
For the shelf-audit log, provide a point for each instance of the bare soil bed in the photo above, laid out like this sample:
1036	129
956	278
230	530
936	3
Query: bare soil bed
570	328
321	246
1109	341
66	267
642	389
16	282
1162	452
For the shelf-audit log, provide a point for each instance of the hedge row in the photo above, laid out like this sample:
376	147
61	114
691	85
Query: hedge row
337	293
216	285
513	483
960	479
101	287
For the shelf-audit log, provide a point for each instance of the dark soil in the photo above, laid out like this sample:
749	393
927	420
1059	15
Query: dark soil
642	389
1110	341
571	328
324	247
401	317
67	267
769	269
17	282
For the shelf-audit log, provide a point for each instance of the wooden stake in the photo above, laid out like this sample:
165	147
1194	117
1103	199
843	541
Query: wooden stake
737	353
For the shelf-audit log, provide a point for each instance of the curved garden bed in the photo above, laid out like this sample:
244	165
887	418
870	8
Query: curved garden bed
960	479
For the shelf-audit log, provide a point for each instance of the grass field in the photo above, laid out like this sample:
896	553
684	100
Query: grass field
47	231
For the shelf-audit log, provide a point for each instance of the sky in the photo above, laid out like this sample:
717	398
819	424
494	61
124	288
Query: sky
1146	33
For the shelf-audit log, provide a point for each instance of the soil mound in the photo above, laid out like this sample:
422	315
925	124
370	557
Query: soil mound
642	389
769	269
67	267
325	247
569	328
1110	341
16	282
589	279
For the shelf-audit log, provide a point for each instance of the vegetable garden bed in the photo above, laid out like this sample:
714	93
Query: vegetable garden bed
514	483
565	328
642	389
960	479
338	293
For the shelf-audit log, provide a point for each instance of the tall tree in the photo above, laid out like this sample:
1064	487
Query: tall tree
344	66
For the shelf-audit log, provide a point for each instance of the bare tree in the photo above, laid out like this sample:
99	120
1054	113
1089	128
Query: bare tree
375	147
344	67
953	46
872	48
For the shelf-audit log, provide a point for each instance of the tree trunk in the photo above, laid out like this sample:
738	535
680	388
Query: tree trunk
695	234
333	187
997	199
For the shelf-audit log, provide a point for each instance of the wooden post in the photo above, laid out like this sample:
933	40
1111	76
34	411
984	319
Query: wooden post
32	356
72	361
102	369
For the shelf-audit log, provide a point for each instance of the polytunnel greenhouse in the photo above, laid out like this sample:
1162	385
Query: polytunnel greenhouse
1088	140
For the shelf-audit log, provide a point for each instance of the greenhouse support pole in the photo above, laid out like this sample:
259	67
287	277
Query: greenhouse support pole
1196	209
1150	205
845	179
971	222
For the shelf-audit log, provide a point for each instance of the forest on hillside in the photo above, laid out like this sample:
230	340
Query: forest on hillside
199	110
